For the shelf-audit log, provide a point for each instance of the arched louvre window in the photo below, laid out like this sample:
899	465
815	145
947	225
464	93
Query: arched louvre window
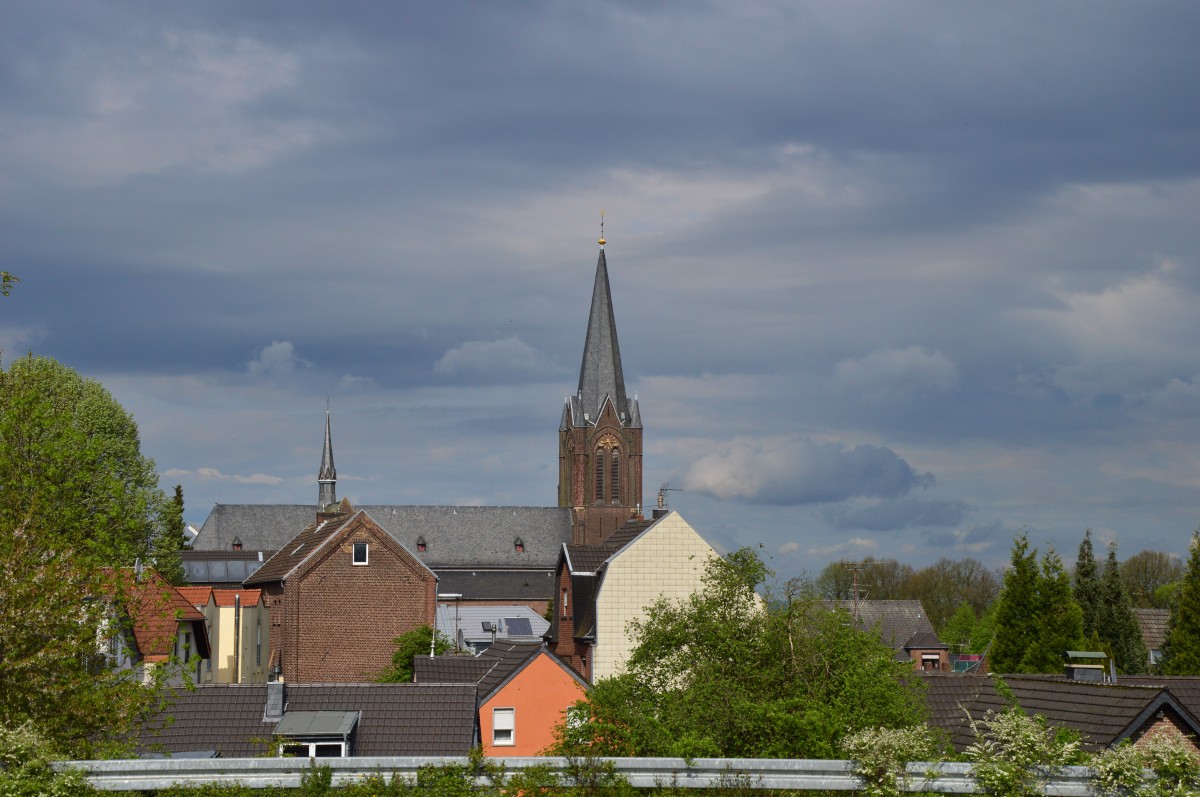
599	475
615	486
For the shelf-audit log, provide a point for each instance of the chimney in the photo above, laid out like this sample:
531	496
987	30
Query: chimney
273	710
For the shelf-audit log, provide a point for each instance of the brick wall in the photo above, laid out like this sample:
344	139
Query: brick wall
340	618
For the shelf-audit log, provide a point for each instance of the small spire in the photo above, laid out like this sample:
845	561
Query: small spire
327	475
601	241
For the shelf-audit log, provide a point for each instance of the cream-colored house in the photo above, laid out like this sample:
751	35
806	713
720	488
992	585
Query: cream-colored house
603	587
239	627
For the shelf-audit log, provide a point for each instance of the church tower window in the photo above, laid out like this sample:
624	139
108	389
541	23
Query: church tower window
615	485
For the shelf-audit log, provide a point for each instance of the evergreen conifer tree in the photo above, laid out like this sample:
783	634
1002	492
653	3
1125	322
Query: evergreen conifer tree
1087	584
1058	618
1117	624
167	546
1181	650
1015	617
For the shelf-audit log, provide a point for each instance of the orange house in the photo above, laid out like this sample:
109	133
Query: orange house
524	692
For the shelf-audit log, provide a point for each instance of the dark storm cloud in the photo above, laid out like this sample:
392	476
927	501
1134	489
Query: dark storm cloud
897	514
957	236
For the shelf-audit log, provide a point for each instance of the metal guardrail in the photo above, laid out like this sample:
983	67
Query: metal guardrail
762	773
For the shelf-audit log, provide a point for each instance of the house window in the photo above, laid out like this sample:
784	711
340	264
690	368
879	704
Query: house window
314	750
360	553
503	726
420	545
236	544
258	643
565	613
519	545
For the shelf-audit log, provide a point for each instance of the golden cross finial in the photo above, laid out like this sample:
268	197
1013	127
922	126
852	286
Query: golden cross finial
601	227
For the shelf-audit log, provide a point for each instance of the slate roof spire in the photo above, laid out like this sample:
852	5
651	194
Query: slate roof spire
327	475
600	375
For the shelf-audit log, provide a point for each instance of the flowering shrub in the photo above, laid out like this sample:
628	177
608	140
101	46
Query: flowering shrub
1164	765
1015	754
880	756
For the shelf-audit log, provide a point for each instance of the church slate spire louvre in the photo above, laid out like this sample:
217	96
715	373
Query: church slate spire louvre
600	437
327	475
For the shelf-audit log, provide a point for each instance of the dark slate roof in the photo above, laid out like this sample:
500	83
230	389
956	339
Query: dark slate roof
1102	714
1153	624
925	640
898	621
396	719
218	568
507	585
600	375
629	532
309	541
507	657
450	669
1185	688
587	558
455	536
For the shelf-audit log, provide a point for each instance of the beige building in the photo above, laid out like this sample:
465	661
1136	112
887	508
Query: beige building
239	628
603	587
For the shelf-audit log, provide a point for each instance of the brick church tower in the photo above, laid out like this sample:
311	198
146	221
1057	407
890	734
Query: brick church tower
600	437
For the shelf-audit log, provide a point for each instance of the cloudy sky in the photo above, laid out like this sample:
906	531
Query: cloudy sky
890	279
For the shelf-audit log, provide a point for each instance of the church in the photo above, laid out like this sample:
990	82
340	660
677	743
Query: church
483	555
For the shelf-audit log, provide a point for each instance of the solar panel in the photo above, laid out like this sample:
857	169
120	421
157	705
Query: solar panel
518	626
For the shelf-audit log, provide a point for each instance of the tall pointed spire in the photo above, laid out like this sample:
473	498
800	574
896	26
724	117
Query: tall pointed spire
600	375
327	475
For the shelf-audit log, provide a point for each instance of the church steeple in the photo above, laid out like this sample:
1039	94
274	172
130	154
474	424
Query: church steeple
600	437
327	475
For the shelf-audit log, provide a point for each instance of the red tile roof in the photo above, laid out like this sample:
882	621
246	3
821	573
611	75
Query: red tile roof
224	597
197	596
156	609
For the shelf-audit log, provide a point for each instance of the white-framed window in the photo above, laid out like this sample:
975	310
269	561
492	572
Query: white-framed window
504	721
322	749
360	553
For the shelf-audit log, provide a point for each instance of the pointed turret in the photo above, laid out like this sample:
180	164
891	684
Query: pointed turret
600	437
327	475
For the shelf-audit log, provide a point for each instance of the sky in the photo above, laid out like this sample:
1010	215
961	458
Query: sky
890	280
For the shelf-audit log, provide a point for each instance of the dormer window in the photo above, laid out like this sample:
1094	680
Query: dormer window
421	545
519	545
236	544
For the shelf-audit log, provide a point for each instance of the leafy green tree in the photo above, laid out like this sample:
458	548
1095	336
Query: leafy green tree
1181	650
7	281
945	584
1015	617
727	673
414	643
167	547
1087	584
1059	619
960	628
56	614
1117	624
1146	574
71	465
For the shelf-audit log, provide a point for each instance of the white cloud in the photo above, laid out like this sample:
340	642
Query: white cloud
212	474
798	470
276	359
887	372
854	544
492	356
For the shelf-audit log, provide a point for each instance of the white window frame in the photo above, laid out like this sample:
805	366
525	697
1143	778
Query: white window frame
288	748
366	549
507	725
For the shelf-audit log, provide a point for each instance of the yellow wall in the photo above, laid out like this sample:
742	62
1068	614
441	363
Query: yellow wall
666	561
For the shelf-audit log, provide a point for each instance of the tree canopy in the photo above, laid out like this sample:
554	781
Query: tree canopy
1181	649
729	673
1117	624
414	643
71	465
1087	584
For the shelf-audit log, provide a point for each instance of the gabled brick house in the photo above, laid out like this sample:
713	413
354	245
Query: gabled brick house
338	593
